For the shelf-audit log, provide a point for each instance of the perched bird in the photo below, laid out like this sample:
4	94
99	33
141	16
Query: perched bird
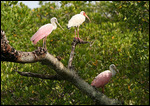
104	77
44	31
76	21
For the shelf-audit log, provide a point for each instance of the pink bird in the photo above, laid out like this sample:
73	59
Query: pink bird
44	31
76	21
104	77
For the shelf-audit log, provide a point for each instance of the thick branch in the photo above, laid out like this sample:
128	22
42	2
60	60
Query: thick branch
72	77
43	56
8	53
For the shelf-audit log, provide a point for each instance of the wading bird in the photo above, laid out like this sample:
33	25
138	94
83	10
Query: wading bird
76	21
104	77
44	31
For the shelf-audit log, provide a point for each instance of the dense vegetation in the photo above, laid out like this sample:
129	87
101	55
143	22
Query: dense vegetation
119	31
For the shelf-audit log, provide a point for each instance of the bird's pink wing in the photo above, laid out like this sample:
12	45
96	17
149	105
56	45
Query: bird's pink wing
102	79
42	32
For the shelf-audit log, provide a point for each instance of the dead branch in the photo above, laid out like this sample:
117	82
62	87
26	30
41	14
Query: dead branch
41	55
74	43
50	77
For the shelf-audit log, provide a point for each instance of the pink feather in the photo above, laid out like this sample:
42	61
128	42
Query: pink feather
102	79
43	31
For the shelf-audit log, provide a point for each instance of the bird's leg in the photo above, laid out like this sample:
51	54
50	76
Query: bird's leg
78	34
102	89
45	42
78	31
75	34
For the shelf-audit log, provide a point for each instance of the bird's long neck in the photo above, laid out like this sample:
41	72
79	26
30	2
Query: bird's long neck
113	72
54	25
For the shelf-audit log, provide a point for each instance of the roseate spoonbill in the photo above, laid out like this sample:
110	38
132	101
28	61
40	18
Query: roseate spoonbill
44	31
104	77
76	21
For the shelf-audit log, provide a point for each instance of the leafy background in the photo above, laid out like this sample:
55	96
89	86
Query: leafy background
119	31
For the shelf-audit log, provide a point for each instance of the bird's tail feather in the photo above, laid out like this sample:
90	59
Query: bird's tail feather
68	27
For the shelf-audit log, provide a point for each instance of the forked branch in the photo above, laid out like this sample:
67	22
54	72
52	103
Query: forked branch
74	43
41	55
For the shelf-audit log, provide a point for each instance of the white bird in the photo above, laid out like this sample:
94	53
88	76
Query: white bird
76	21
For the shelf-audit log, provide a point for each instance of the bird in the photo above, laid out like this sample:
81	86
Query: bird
76	21
104	77
44	31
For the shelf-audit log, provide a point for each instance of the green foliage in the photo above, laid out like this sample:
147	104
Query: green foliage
134	13
119	33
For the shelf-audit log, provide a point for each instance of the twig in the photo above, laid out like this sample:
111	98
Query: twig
36	75
74	43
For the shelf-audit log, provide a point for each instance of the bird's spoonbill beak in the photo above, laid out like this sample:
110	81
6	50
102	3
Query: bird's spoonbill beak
59	25
117	71
88	18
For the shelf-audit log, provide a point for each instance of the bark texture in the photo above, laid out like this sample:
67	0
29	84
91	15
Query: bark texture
9	54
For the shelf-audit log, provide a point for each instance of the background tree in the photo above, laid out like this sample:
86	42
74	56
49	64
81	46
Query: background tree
120	35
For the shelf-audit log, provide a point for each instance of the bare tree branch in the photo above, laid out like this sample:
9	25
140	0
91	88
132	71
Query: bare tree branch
50	77
74	43
8	53
41	55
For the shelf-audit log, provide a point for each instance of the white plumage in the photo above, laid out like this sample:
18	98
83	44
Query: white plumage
76	21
